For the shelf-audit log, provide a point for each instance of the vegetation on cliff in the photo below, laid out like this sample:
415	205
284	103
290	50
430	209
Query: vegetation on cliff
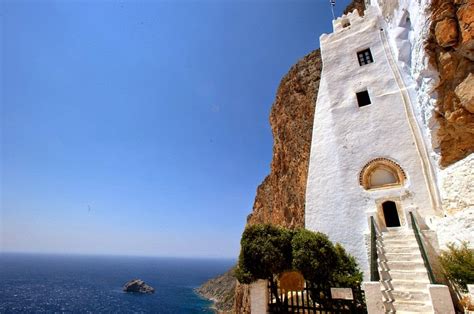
458	263
268	250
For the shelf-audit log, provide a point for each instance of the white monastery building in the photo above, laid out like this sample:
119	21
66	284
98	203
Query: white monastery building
367	155
371	163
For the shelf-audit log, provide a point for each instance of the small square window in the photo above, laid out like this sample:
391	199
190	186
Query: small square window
365	57
363	98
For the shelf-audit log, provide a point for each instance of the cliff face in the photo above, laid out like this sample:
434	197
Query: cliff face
451	47
280	198
221	290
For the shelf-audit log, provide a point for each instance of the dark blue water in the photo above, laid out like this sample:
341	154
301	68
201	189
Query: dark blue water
55	283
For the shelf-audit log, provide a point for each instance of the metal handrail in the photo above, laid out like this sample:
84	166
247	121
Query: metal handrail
374	270
422	248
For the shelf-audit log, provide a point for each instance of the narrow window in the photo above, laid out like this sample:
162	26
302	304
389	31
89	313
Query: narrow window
365	57
363	98
346	23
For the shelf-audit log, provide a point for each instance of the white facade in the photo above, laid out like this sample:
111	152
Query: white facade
407	24
346	137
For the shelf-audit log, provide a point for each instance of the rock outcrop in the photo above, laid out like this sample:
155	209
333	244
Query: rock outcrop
358	5
221	290
138	286
280	198
451	47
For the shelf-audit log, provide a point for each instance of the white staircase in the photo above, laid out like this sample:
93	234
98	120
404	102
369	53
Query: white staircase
403	276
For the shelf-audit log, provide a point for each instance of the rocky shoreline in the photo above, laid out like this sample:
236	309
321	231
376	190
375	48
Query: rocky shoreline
220	291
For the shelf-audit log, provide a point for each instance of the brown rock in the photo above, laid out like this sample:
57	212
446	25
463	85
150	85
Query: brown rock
281	196
465	15
455	134
446	32
242	299
358	5
447	65
465	93
442	9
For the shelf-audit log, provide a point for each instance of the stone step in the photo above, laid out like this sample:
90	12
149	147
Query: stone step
397	250
396	230
416	296
399	243
399	236
402	265
410	257
407	285
405	275
412	306
411	312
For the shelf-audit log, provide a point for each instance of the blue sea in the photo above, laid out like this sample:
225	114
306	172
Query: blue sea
74	283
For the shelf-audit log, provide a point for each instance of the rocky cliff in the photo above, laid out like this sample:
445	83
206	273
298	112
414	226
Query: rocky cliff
221	290
451	47
280	198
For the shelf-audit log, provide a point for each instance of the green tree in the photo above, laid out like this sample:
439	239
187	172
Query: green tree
458	263
265	251
314	255
347	273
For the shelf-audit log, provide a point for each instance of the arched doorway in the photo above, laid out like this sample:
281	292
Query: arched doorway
390	214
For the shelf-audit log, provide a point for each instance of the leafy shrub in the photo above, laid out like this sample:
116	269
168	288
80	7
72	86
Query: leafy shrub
265	250
347	272
458	263
314	255
268	250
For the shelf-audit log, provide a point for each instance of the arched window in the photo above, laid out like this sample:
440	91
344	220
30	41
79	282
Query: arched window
381	173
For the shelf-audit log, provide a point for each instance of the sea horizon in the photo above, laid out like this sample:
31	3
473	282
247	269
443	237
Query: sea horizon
119	255
93	283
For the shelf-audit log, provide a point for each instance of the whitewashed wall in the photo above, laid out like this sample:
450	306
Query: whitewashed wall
346	137
456	183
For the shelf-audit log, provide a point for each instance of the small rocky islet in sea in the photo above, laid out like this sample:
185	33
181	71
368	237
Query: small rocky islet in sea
138	286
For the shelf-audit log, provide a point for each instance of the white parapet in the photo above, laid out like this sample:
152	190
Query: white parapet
441	299
373	297
259	297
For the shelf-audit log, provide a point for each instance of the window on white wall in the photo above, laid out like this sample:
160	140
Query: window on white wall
365	57
363	98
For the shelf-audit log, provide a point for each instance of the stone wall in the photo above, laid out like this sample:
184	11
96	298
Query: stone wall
457	186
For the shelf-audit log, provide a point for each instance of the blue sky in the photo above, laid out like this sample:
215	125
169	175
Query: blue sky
141	127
